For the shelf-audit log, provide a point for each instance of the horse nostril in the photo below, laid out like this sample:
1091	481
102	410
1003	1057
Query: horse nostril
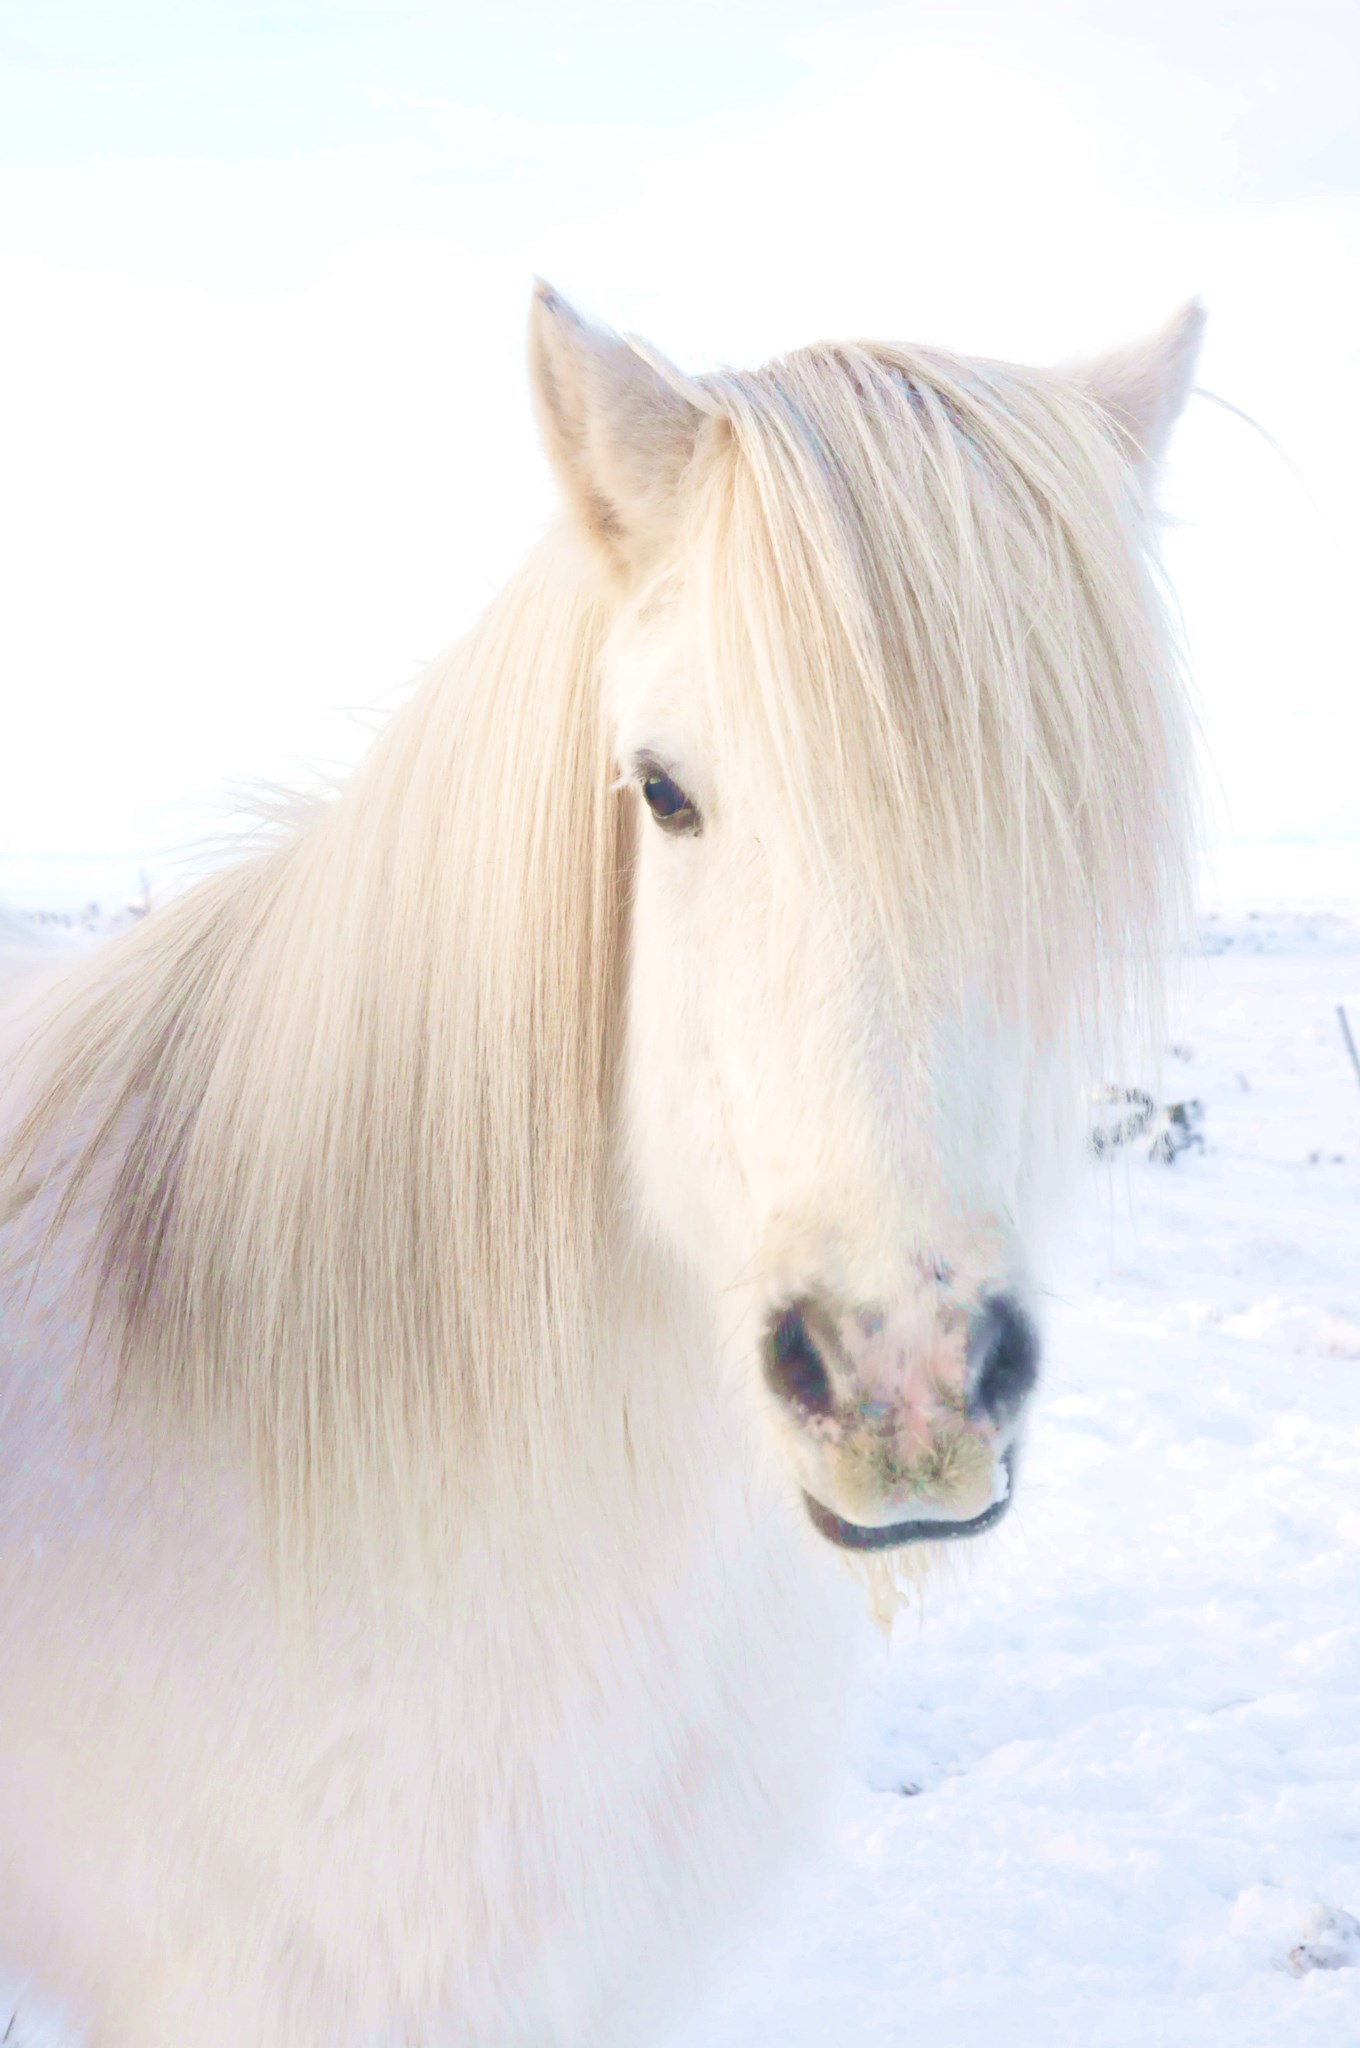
1003	1359
793	1365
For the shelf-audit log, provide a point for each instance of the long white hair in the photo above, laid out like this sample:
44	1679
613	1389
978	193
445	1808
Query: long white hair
346	1112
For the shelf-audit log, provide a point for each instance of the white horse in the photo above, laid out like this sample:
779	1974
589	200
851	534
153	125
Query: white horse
472	1269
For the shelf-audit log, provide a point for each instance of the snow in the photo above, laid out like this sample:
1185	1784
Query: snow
1103	1785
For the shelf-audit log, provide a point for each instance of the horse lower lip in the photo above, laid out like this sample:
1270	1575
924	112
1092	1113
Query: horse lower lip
893	1535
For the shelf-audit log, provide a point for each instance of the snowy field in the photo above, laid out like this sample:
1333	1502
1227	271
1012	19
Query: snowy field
1104	1784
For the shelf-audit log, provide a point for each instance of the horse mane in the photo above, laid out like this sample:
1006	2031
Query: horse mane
350	1095
349	1105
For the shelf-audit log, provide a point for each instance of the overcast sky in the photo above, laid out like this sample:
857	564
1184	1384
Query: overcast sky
264	439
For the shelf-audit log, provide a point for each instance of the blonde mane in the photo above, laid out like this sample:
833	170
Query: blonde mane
348	1108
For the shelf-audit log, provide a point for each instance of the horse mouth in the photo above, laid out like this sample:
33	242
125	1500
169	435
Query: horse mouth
893	1535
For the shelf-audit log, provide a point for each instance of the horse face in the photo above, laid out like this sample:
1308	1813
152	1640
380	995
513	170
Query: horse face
838	1160
827	1128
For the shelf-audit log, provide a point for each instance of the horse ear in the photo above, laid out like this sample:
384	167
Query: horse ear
619	427
1144	387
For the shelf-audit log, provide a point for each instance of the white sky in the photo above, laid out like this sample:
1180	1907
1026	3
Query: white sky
264	438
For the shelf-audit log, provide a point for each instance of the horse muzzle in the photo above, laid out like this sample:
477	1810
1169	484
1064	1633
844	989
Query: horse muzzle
902	1426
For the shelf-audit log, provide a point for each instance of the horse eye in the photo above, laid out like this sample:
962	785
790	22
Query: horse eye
668	803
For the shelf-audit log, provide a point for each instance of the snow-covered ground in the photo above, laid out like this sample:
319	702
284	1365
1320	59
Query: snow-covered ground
1104	1784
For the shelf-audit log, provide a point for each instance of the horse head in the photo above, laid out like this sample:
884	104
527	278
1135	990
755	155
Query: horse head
891	706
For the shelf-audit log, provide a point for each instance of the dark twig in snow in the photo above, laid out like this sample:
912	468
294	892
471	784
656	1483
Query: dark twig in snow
1350	1042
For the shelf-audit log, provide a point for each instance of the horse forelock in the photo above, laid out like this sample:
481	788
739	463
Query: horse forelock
925	594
